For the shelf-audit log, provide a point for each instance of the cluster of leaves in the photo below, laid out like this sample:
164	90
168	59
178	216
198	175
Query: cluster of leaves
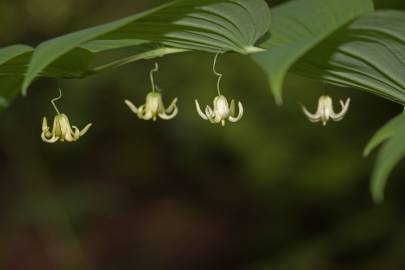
341	42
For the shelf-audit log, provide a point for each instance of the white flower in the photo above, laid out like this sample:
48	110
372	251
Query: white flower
325	111
221	111
153	108
61	129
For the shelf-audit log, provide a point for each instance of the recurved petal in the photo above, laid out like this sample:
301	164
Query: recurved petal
311	117
166	116
212	119
345	108
240	114
200	112
75	133
68	136
141	111
147	115
131	106
172	106
209	112
85	129
52	139
44	124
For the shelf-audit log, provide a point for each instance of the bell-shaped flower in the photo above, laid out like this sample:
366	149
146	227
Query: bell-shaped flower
325	111
221	111
61	130
154	108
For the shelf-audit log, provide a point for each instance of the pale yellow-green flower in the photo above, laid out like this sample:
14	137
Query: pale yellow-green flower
221	111
325	111
61	130
154	107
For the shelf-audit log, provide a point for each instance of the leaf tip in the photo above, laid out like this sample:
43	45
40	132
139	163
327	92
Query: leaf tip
377	186
3	103
279	100
367	150
24	88
276	89
253	49
378	197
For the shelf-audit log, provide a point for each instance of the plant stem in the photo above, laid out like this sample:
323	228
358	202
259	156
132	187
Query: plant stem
56	99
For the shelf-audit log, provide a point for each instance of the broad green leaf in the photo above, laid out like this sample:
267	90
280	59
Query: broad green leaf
10	52
8	92
385	133
297	27
369	54
78	62
391	153
96	46
208	25
14	59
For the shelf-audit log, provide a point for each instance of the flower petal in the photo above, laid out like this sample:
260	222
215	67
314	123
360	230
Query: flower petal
44	124
314	118
131	106
345	108
232	109
236	119
165	116
141	111
85	129
44	138
202	115
172	106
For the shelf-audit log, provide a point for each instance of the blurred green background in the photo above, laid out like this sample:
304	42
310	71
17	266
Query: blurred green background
270	192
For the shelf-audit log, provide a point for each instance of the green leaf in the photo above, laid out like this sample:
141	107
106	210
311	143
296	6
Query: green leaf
391	153
9	89
208	25
369	54
77	63
10	52
385	133
97	46
14	59
297	27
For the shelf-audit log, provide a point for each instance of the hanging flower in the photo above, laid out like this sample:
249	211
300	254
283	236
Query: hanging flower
325	111
61	129
154	106
221	111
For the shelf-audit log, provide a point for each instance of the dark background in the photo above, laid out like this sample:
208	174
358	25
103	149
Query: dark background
270	192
